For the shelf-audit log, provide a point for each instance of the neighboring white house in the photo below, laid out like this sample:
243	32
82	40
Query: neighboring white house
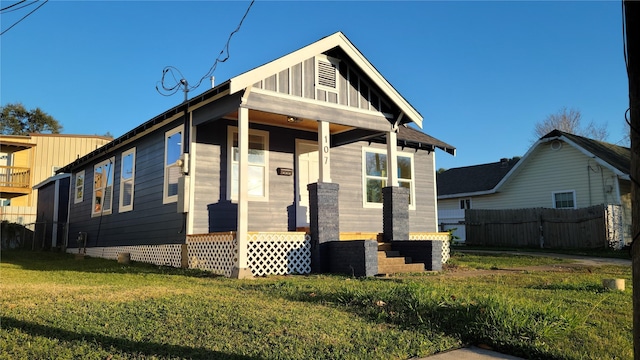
561	170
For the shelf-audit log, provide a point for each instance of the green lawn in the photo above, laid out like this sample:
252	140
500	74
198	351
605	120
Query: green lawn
54	307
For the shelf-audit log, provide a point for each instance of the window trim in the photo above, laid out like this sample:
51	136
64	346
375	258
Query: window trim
76	199
553	199
412	193
167	199
110	176
132	180
466	201
231	130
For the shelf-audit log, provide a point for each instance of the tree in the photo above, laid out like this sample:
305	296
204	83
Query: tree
16	120
570	120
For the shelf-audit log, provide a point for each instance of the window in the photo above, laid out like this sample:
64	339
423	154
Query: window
102	188
564	199
258	164
172	152
78	196
127	174
465	204
375	176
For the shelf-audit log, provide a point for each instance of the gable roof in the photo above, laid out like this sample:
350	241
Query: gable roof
476	179
485	179
336	40
612	156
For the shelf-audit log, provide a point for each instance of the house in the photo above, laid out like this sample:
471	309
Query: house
28	160
560	170
263	171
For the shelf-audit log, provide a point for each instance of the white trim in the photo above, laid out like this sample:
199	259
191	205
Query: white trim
231	130
324	152
132	179
192	172
77	199
338	39
336	67
371	205
166	198
99	209
323	103
298	196
553	198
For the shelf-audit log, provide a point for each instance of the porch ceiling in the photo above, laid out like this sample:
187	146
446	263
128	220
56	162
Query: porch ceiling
280	120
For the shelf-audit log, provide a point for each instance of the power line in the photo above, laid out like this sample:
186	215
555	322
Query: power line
24	17
3	11
183	82
10	6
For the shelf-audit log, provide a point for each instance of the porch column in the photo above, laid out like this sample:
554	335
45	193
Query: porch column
324	222
395	199
324	152
241	269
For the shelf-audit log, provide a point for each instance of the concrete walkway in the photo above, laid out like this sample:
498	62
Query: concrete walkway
471	353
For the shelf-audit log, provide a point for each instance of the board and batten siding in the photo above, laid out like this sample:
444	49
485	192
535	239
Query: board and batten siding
548	171
352	88
51	151
150	222
214	213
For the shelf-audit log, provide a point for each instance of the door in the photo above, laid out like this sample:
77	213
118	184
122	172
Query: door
307	168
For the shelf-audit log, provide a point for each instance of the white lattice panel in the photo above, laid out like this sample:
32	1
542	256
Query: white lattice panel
212	252
439	236
279	253
167	255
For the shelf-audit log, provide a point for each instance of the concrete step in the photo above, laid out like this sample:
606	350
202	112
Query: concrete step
392	261
388	253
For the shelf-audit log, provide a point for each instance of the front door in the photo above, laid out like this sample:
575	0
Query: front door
306	173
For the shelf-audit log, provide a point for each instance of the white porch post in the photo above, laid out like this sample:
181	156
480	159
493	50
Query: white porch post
241	270
392	158
324	152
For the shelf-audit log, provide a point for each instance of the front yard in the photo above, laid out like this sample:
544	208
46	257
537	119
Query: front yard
53	306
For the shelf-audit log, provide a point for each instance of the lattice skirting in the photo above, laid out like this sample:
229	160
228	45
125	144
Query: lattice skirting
279	253
213	252
166	255
440	236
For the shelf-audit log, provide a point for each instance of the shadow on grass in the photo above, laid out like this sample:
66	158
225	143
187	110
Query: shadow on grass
127	346
591	288
59	261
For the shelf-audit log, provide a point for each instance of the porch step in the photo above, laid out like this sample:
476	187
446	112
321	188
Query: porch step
391	262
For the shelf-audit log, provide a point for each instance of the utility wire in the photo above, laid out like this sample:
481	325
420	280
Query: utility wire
170	90
10	6
24	17
18	8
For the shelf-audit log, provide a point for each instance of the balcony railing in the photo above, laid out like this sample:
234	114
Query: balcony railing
15	179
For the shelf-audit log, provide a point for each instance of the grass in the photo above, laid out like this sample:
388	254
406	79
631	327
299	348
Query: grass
52	306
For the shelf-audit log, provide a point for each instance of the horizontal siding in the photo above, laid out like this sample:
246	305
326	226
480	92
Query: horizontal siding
150	221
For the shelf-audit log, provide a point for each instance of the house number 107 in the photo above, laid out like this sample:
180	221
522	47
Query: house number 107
325	149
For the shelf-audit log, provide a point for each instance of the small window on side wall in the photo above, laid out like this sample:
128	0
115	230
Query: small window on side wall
127	176
465	204
564	199
102	203
172	152
78	187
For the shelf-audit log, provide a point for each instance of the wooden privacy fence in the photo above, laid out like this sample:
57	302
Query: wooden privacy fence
538	227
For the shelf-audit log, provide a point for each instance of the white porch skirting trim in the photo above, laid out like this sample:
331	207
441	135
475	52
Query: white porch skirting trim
269	253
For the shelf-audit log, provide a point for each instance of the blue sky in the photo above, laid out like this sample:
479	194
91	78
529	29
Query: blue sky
480	73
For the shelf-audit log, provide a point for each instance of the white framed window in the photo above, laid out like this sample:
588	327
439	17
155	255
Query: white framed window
374	171
565	199
258	189
102	203
127	179
78	193
172	169
465	204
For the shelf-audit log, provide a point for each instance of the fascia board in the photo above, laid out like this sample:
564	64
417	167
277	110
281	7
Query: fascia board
469	194
338	39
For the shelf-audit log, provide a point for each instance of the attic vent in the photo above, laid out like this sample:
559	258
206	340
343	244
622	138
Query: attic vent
326	74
